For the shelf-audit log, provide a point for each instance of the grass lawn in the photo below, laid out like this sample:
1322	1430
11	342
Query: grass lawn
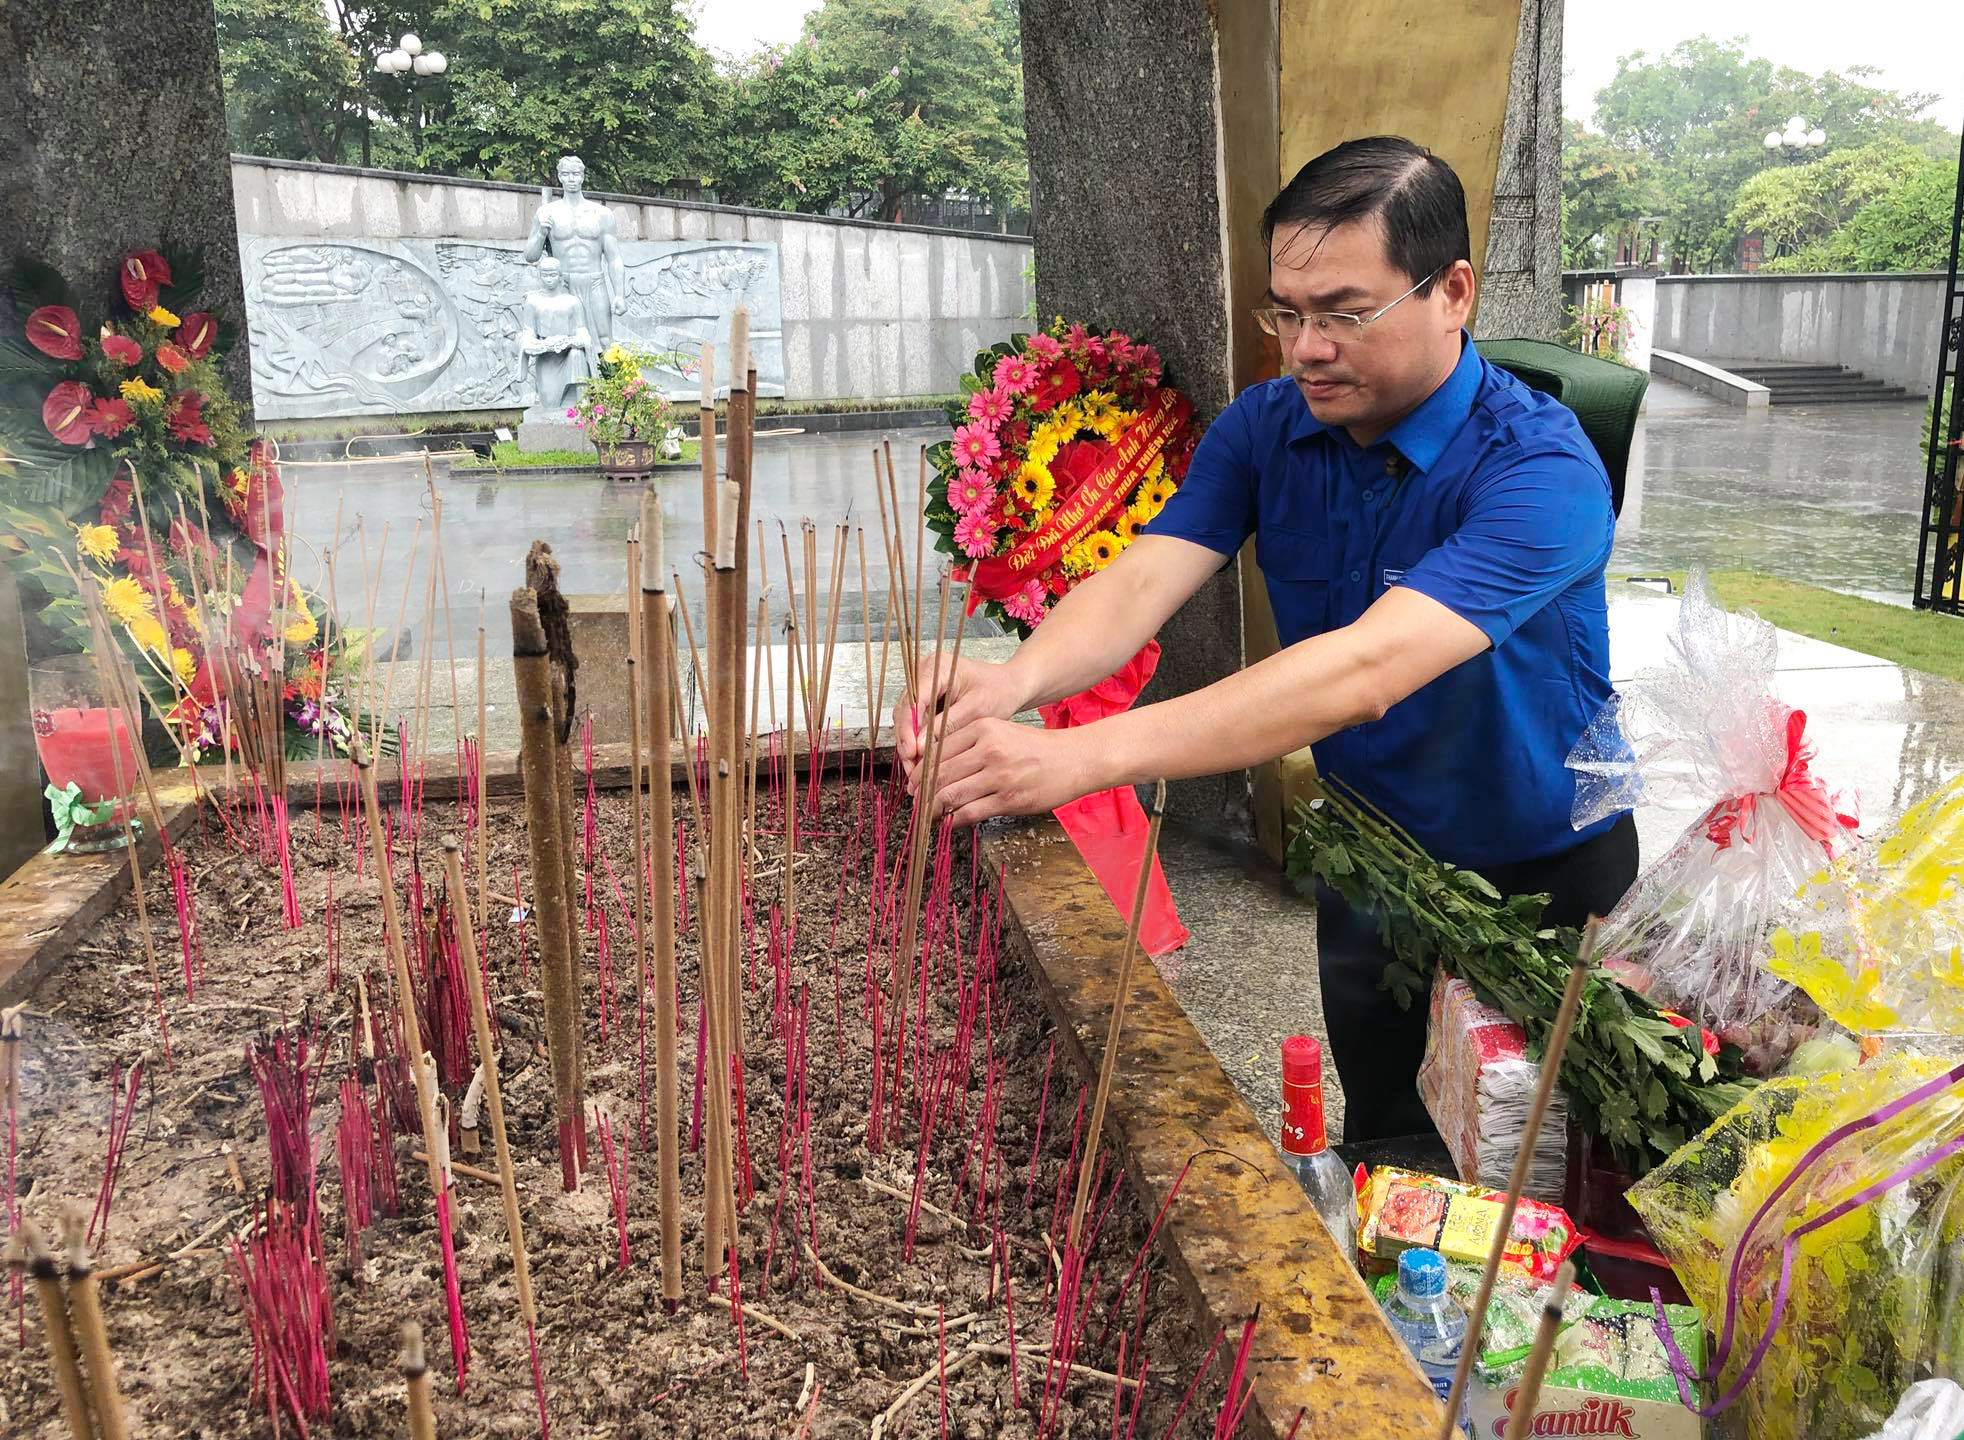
1916	638
505	455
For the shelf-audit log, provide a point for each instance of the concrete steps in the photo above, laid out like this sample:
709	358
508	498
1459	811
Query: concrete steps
1816	384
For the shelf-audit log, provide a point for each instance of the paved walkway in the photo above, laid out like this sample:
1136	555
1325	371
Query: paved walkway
1825	494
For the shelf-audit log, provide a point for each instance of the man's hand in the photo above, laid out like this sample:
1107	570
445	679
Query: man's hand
997	767
971	690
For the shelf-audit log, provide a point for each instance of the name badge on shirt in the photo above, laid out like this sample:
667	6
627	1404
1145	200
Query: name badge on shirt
1392	577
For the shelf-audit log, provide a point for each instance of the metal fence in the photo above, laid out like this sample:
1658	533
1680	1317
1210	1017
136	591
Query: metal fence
1940	545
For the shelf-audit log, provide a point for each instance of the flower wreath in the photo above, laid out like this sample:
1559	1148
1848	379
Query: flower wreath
1065	445
91	407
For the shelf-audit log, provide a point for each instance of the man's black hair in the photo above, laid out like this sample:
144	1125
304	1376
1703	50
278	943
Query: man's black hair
1413	194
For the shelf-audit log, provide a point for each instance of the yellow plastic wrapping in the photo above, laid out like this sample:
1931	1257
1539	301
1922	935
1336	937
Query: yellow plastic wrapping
1874	1299
1884	954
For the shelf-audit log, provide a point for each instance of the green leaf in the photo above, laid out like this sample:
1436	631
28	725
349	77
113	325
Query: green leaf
35	283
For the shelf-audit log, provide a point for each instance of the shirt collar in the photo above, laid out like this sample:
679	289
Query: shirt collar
1422	436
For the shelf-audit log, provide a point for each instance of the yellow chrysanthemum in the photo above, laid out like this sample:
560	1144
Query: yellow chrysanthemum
1126	527
184	663
126	599
148	632
139	392
96	542
301	629
174	597
1158	492
1076	561
1032	486
1141	510
160	316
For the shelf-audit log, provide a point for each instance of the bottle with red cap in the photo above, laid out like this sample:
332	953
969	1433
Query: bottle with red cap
1306	1144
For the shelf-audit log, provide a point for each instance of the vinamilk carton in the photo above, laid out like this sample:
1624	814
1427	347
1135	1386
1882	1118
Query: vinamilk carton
1609	1376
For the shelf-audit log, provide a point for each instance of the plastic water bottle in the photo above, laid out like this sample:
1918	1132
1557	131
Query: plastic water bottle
1428	1320
1306	1144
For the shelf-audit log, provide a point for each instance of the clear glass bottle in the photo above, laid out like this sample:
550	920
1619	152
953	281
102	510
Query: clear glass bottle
1306	1144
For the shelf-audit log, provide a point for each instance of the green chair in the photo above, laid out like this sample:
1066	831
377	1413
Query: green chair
1605	396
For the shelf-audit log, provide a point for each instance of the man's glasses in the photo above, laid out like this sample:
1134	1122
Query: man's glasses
1336	326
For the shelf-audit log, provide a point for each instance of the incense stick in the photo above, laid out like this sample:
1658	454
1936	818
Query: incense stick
453	872
1108	1061
657	640
1550	1067
1521	1416
544	835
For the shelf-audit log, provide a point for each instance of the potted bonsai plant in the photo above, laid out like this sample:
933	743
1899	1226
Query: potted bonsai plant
624	413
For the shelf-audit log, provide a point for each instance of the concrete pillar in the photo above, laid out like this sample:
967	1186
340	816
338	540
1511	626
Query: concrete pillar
1153	133
112	139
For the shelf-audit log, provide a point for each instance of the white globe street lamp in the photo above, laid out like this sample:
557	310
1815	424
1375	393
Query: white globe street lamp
411	46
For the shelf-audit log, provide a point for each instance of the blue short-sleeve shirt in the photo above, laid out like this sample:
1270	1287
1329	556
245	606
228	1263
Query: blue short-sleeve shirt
1488	498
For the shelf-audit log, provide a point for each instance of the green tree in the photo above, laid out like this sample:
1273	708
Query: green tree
879	105
1698	114
620	83
1607	188
1880	206
290	80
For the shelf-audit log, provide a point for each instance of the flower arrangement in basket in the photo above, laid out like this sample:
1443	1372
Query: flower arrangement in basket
621	408
124	458
1067	444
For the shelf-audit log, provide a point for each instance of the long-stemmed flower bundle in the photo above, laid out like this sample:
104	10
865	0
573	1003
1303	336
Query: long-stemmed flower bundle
124	457
1635	1077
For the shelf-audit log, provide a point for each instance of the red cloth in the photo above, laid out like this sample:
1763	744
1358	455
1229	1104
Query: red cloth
1109	826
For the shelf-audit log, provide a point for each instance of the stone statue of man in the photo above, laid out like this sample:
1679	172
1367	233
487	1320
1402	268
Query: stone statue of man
580	234
553	342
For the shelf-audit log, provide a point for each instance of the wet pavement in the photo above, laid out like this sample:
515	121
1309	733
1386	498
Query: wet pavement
1825	494
489	521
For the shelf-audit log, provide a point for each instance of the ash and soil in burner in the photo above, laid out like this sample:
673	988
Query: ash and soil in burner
615	1364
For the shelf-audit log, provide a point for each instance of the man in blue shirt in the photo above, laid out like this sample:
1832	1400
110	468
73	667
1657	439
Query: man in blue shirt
1432	534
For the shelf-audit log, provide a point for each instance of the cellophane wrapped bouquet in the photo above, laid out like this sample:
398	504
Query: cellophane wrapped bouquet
1819	1227
1706	730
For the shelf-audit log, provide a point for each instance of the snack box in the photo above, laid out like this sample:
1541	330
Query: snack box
1402	1209
1609	1375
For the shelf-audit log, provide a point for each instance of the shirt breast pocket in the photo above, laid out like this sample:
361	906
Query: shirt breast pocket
1296	566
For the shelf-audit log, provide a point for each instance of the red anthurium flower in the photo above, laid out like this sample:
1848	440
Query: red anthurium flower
110	417
172	358
184	420
121	350
143	272
66	412
54	330
196	332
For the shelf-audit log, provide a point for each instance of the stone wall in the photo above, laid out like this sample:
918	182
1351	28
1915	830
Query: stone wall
1886	326
868	311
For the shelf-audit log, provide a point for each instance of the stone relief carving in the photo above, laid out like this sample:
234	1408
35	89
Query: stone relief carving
374	326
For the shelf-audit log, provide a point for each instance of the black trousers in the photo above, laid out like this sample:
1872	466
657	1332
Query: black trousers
1377	1047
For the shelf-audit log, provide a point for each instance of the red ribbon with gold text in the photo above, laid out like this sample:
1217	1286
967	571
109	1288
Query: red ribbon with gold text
1086	508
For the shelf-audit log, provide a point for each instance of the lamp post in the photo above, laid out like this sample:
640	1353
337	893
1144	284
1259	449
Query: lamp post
1795	139
411	57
